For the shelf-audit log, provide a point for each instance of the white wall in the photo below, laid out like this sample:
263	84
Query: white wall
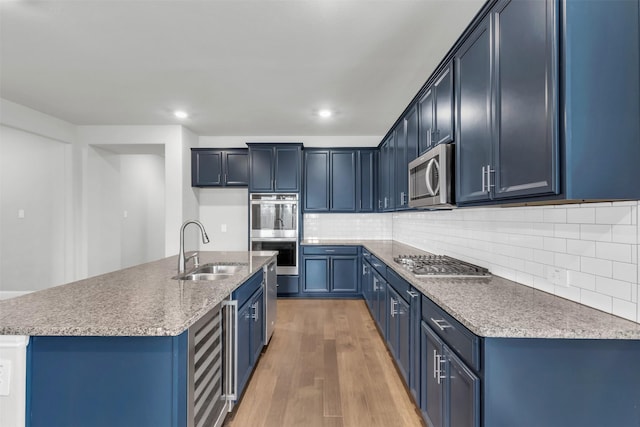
594	247
225	207
308	141
35	176
119	183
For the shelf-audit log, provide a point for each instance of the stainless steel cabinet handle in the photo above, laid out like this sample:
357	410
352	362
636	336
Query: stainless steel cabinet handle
439	359
218	177
441	324
393	307
484	177
435	364
489	172
412	294
225	177
254	315
330	250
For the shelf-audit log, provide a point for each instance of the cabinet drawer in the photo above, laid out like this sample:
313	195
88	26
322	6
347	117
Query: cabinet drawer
400	285
288	285
330	250
380	266
248	288
464	342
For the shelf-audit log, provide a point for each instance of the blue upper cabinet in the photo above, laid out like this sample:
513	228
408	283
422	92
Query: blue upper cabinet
343	181
400	168
507	104
435	108
366	174
219	168
316	180
275	168
339	180
474	133
386	177
525	150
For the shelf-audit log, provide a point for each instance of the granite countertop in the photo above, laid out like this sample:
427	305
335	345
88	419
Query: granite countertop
138	301
497	307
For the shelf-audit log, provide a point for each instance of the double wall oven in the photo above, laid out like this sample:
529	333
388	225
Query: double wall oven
274	227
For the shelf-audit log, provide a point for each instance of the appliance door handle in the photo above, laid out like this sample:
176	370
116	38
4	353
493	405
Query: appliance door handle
231	374
427	177
483	179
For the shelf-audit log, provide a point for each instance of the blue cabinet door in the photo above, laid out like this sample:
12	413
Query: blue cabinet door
287	169
403	313
366	179
425	109
245	338
344	274
387	174
392	321
261	166
414	349
526	146
432	385
237	167
400	168
316	273
474	127
206	168
257	326
443	106
463	393
316	180
411	127
343	181
380	302
367	284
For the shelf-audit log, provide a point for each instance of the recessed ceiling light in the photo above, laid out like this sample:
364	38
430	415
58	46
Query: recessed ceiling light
325	113
180	114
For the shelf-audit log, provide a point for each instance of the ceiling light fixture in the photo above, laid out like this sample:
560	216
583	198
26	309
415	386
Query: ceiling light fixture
325	113
180	114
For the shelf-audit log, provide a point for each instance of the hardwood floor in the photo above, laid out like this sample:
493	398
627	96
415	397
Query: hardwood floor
326	365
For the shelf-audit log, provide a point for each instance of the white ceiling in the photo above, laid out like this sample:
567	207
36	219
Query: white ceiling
261	67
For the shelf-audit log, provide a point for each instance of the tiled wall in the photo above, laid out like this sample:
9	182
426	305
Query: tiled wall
586	253
348	226
590	251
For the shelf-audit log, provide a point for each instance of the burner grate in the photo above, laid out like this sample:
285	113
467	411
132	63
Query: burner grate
439	266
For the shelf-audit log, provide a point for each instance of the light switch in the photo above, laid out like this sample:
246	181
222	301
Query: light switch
223	228
125	214
20	213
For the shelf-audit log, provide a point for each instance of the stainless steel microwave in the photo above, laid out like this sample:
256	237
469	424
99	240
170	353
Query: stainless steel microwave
431	179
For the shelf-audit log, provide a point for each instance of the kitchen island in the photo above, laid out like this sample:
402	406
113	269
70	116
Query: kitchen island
115	349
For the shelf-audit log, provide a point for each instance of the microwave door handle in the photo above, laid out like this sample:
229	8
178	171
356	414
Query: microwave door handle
427	177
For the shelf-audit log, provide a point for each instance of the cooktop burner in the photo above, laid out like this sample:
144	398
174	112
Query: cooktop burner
439	266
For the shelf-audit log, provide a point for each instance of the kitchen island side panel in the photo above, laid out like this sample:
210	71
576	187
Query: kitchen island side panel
107	381
560	382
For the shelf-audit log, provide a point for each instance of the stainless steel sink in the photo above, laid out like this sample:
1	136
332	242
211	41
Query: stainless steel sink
211	272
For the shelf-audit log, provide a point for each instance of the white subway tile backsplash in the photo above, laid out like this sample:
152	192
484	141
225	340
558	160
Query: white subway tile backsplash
581	280
581	247
566	261
624	234
567	231
555	244
596	300
581	215
613	251
615	288
613	215
598	267
625	271
624	309
601	233
568	292
554	215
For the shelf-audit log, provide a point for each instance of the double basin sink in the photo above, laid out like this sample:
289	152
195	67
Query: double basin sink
211	272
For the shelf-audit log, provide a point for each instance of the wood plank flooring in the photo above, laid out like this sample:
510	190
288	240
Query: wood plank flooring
326	366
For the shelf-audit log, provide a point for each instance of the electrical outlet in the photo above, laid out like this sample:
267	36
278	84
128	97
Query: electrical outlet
5	377
557	276
223	228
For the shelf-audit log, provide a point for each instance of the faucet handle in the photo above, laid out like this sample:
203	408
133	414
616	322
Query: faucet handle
196	259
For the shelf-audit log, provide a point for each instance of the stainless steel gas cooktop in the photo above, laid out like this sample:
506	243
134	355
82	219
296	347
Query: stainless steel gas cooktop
440	266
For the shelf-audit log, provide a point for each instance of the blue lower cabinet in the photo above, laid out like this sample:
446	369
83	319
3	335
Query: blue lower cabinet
380	302
288	286
244	345
366	281
107	381
414	346
331	271
398	330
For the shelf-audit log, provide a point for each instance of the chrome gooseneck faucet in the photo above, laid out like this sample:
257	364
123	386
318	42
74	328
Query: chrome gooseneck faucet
182	261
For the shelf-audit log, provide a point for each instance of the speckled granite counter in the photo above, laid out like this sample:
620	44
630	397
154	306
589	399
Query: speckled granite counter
496	307
137	301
